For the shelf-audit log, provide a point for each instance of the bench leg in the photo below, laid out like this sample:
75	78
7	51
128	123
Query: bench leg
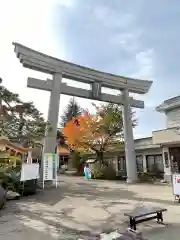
132	223
160	217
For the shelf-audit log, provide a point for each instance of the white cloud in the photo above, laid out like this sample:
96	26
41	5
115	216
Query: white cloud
126	40
112	18
66	3
145	64
31	24
145	71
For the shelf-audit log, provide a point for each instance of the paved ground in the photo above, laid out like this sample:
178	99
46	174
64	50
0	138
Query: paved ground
78	208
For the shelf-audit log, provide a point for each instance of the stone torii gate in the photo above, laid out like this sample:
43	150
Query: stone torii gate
58	69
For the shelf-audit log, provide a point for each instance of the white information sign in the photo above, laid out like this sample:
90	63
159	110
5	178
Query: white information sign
176	184
29	171
50	167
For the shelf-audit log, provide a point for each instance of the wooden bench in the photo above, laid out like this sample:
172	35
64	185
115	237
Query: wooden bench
143	214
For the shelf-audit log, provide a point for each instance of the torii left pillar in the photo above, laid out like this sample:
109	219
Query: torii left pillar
53	115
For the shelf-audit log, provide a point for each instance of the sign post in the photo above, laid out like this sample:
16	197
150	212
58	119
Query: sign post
176	186
50	168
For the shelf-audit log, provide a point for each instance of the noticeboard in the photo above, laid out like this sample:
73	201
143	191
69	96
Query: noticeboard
29	171
176	184
50	167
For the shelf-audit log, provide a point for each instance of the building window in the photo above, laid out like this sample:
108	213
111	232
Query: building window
121	163
150	163
155	163
139	163
159	163
63	160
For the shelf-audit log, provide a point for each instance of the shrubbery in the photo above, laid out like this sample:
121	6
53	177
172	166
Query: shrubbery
150	176
10	181
10	176
146	177
10	173
121	175
97	171
102	171
110	172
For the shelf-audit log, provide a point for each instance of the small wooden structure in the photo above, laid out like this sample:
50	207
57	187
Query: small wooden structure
14	154
7	145
14	150
64	155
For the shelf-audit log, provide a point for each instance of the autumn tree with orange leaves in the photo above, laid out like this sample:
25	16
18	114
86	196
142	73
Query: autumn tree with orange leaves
95	133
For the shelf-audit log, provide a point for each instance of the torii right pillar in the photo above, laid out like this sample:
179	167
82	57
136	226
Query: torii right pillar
129	140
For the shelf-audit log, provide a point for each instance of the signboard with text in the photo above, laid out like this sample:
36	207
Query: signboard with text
50	167
176	184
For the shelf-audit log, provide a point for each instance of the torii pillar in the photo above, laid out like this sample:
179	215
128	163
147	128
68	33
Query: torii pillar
129	140
53	113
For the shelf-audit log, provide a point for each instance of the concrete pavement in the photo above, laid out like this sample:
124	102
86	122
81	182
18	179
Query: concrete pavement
77	208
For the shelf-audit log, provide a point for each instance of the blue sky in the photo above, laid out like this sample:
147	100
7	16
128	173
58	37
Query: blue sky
130	38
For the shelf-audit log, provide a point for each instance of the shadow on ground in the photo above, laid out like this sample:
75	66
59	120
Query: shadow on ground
43	224
48	215
90	192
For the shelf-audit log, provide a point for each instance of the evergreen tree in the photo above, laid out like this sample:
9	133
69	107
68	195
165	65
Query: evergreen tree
22	120
72	110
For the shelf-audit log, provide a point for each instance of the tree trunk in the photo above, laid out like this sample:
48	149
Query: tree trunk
100	156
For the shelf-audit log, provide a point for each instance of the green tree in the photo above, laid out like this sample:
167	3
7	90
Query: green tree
112	126
113	119
22	120
71	110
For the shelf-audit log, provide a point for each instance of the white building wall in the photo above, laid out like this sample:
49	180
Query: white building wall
173	118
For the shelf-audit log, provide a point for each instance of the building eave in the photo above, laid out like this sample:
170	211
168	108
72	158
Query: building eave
169	104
